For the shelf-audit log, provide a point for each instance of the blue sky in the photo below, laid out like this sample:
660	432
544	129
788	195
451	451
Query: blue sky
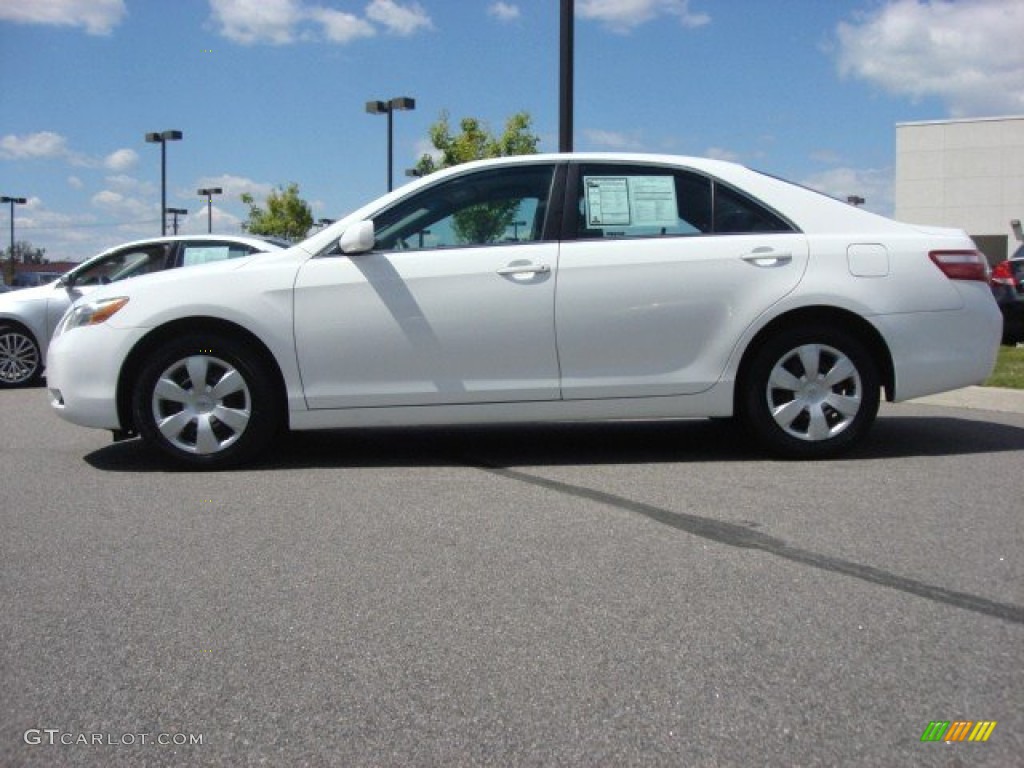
269	92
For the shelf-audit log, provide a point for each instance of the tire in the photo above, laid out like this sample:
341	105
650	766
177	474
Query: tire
21	362
809	393
207	402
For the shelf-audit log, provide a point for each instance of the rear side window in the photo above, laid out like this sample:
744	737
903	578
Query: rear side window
651	201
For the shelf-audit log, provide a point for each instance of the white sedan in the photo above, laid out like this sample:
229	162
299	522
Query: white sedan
542	288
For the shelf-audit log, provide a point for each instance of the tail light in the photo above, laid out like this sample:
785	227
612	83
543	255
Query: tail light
962	265
1003	275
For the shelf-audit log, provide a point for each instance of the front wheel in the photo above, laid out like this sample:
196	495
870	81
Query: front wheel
206	401
810	393
20	360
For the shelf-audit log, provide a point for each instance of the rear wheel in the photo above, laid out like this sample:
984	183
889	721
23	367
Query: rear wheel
208	402
20	359
810	393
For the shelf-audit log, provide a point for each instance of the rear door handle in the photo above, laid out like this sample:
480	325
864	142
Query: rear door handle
767	257
525	269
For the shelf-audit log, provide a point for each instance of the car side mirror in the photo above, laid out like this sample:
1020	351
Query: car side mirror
358	238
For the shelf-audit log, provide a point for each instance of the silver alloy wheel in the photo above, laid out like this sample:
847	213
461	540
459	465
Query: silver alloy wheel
19	357
201	404
814	392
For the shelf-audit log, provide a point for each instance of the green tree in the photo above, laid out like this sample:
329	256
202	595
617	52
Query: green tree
475	141
286	214
488	221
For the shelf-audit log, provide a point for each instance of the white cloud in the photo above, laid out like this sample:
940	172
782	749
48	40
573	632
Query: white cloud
875	185
280	22
257	21
504	11
131	185
625	15
44	144
967	53
234	186
718	153
615	140
98	17
341	27
399	19
75	183
121	160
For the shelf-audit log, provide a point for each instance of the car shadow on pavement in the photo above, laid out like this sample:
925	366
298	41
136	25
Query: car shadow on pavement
683	441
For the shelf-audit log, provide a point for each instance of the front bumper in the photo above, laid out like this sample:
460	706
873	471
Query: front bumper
83	366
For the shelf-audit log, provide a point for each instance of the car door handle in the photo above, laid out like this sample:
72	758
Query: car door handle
525	269
767	257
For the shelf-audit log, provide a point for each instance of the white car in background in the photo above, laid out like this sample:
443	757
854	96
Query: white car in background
28	316
539	289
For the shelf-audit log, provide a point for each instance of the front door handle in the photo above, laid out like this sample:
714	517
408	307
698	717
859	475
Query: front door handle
525	269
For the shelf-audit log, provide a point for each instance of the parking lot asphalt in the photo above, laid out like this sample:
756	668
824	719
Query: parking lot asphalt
646	594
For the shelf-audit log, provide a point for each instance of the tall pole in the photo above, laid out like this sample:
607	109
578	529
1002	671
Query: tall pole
163	189
13	201
565	88
388	108
209	192
162	138
391	151
9	268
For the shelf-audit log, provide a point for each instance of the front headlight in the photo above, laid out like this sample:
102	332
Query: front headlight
90	313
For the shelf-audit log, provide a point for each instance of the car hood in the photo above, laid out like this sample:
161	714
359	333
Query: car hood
21	296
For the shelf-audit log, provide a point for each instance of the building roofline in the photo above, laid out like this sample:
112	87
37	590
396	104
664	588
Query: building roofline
955	121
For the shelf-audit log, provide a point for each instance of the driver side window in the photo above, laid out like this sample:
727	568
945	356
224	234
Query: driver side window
505	205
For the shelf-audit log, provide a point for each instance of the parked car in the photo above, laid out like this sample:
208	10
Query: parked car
33	279
538	289
1008	289
29	315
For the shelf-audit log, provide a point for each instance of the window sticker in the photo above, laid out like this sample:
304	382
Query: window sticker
607	201
640	201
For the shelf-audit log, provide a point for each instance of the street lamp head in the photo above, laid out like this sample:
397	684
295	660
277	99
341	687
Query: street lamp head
377	107
13	200
179	211
207	191
155	137
402	102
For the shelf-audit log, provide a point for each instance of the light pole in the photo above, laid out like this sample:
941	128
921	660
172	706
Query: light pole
388	108
209	192
162	138
13	201
175	212
565	80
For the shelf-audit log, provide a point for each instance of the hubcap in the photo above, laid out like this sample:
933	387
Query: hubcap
19	358
814	392
201	404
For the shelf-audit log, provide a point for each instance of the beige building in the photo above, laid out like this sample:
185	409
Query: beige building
963	173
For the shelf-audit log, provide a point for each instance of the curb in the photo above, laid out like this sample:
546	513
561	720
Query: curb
978	398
